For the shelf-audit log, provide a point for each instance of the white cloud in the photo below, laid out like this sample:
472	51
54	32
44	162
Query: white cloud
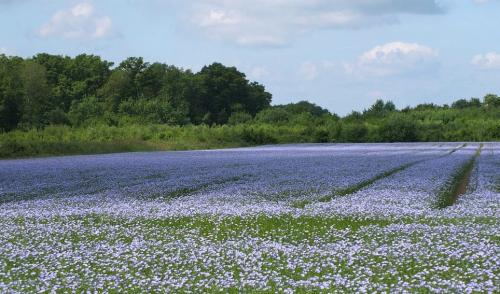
3	51
83	10
277	22
394	58
103	27
312	70
258	72
224	22
308	70
79	22
396	52
487	61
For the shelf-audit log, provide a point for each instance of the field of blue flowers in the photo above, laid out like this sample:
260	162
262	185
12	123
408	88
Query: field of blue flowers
290	218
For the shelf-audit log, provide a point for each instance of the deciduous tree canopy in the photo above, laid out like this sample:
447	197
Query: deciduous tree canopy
86	90
52	89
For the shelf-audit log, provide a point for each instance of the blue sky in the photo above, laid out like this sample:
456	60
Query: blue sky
340	54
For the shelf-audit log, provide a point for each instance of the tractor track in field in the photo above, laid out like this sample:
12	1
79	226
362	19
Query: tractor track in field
459	182
357	187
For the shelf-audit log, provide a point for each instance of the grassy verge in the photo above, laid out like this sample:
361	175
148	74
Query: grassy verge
20	149
65	140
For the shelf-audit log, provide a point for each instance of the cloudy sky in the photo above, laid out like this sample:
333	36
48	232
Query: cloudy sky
341	54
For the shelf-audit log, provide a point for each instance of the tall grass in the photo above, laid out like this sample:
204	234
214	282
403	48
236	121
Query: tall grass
65	140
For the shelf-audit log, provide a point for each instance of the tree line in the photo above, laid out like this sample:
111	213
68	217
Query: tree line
52	89
48	90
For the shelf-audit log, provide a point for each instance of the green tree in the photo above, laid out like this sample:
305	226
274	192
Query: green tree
87	74
475	102
380	109
36	94
221	89
274	115
239	118
11	92
157	111
353	132
134	68
398	128
258	98
90	109
115	90
491	101
151	79
305	107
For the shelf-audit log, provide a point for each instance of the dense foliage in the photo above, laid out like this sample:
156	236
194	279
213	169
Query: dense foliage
52	104
51	89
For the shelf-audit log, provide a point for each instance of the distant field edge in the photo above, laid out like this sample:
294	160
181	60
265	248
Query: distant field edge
24	149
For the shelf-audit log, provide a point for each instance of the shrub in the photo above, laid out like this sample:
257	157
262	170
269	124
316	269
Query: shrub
239	118
257	136
273	116
88	109
398	128
353	132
